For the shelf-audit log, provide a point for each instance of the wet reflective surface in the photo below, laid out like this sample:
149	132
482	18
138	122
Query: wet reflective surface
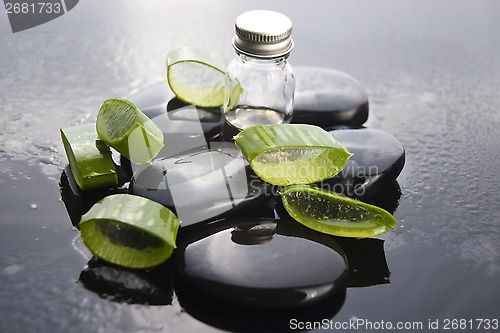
430	71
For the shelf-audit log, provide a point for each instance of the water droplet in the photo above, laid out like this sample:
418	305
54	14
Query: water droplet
12	269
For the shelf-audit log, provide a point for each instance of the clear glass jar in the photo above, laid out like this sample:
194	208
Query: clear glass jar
260	83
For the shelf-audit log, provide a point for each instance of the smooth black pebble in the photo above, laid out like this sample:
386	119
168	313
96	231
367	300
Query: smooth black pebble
328	98
258	263
180	122
378	158
205	184
78	202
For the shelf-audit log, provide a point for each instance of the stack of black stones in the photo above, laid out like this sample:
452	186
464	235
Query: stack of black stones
239	254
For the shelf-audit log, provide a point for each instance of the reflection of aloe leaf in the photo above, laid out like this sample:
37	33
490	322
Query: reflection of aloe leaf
153	287
234	96
367	262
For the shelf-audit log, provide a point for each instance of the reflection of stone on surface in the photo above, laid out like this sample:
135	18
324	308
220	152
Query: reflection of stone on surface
253	234
387	197
366	261
235	318
79	202
118	284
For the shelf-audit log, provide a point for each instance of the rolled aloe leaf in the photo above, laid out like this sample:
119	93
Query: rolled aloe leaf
130	231
121	125
89	157
334	214
286	154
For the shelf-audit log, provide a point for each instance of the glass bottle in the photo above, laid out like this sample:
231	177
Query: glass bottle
260	83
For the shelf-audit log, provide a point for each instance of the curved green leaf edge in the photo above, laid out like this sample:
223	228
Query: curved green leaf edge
130	231
335	214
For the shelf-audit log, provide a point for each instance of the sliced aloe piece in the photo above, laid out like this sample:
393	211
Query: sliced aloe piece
286	154
196	76
334	214
89	158
130	231
121	125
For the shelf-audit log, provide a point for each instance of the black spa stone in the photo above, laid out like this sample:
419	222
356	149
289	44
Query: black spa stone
152	99
179	121
378	158
372	149
78	202
204	184
328	98
261	263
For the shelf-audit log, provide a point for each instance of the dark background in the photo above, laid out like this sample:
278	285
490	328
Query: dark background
432	72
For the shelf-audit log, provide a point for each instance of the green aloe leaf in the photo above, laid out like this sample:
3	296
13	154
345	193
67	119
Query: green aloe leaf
121	125
286	154
196	76
130	231
89	157
334	214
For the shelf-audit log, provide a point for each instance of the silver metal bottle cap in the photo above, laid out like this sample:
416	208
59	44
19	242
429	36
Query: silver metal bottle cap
263	34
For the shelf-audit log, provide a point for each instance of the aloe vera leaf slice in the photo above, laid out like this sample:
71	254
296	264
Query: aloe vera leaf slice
130	231
335	214
121	125
196	76
89	157
287	154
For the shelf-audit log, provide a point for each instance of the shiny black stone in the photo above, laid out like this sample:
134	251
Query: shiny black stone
179	121
328	98
79	202
153	99
262	263
205	184
378	158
